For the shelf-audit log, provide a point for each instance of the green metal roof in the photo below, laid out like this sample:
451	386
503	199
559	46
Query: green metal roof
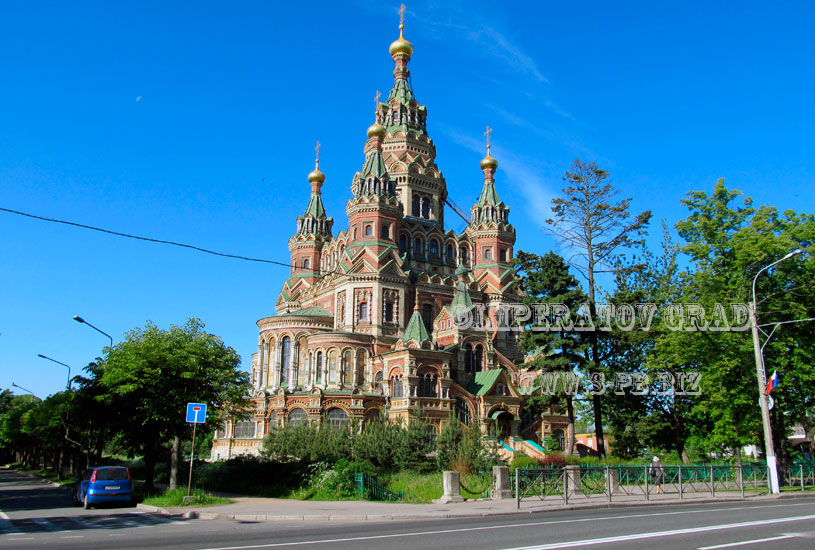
415	329
489	195
461	298
483	381
315	206
401	90
374	165
314	311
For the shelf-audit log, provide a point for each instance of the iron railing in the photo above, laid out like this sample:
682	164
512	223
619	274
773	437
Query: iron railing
606	482
369	488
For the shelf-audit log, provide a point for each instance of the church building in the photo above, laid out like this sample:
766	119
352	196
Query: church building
366	323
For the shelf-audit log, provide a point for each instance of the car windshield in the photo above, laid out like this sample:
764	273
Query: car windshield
111	474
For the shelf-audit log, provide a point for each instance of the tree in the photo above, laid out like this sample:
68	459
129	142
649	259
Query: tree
154	373
729	243
546	280
658	418
595	231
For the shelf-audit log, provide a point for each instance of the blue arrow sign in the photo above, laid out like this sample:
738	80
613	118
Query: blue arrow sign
196	413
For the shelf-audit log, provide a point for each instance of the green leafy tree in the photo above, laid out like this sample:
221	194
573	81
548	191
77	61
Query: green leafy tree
154	373
551	340
595	230
658	418
729	243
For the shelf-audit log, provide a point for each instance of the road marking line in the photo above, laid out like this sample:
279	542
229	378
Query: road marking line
544	547
754	541
73	537
640	536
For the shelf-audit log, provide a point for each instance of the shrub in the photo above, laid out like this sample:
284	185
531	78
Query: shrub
419	444
380	445
554	460
308	443
522	461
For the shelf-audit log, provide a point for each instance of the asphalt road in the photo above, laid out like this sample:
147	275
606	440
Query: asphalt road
42	516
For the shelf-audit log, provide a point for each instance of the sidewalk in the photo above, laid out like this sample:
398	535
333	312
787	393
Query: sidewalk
271	509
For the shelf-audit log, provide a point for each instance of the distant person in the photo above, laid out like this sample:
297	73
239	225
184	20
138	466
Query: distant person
657	473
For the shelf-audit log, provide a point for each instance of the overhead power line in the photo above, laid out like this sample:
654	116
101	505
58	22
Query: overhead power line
148	239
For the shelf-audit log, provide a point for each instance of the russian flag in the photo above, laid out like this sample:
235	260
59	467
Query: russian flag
772	383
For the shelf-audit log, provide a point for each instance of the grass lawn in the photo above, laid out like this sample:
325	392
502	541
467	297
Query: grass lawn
175	497
424	488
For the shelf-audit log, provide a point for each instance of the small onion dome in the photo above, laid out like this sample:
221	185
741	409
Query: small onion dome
376	130
316	176
461	270
400	45
489	163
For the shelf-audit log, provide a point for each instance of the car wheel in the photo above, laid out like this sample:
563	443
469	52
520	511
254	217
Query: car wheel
87	502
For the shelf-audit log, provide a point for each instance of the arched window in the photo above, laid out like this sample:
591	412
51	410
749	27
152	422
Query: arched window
463	411
396	387
560	439
502	254
297	417
244	429
347	365
378	381
427	316
362	362
369	230
318	377
451	255
386	231
285	359
363	311
426	207
478	356
389	312
427	386
488	253
468	358
403	243
306	263
418	247
416	209
332	375
464	257
336	418
434	247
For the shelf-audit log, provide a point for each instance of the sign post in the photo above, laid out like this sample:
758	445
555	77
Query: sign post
196	414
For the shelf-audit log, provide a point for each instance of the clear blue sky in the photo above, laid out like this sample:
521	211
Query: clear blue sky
196	122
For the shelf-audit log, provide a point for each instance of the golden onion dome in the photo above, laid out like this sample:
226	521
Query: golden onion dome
400	45
316	176
376	130
489	162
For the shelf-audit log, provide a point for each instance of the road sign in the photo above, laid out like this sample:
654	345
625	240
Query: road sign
196	413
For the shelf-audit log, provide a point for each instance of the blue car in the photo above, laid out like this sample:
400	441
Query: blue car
104	484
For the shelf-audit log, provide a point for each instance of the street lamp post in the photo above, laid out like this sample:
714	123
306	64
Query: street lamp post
762	381
79	319
22	388
68	385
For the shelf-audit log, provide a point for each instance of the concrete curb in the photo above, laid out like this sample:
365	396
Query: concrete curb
198	514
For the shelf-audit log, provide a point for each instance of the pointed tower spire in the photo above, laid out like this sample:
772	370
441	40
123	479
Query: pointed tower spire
373	179
415	329
488	165
315	221
401	50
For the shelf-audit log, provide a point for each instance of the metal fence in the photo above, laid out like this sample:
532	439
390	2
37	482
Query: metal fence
371	489
572	483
